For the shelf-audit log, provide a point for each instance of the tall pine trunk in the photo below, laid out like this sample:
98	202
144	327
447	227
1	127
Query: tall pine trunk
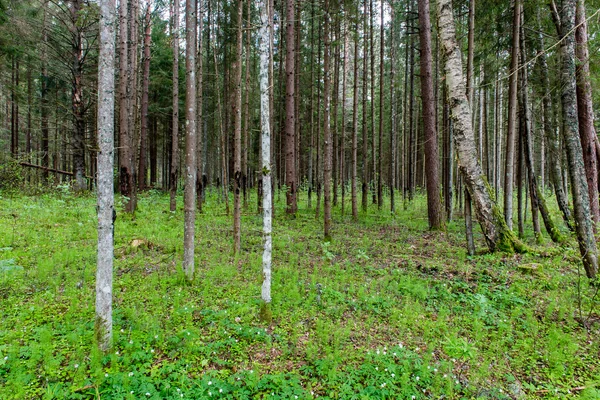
512	118
174	172
237	145
142	169
434	206
290	118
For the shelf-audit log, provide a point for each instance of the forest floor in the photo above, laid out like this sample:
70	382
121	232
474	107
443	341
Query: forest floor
388	310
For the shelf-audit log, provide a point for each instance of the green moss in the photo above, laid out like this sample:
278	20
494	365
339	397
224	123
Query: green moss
266	315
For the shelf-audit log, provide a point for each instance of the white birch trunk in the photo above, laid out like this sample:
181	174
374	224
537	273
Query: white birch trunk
106	116
265	118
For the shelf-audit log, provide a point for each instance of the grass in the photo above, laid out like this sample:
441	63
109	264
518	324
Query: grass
387	310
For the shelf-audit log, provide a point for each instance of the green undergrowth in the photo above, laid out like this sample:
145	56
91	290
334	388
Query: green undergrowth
386	310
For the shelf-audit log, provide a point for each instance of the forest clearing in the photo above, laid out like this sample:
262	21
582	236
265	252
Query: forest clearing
389	311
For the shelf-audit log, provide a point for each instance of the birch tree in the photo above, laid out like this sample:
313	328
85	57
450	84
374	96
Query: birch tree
189	201
106	104
265	123
495	231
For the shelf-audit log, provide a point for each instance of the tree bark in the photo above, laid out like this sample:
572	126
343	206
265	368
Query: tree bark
579	189
290	119
585	111
551	135
355	126
264	69
434	206
174	172
44	101
237	122
106	211
512	118
200	153
142	169
189	200
77	101
365	94
327	147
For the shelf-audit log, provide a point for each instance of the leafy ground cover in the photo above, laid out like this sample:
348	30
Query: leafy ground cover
388	310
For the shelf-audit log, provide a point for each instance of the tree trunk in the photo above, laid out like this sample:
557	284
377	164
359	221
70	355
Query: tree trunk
189	200
551	135
142	169
44	101
495	231
265	56
290	119
342	148
579	189
585	111
237	147
393	114
381	92
537	196
77	100
327	147
246	111
434	206
365	144
512	118
174	172
355	126
372	104
201	155
106	211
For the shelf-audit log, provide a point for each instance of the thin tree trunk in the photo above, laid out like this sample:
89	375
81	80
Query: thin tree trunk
175	130
434	206
106	211
372	104
537	196
551	135
512	118
237	148
246	110
44	101
201	154
579	189
342	158
585	111
265	56
290	119
142	170
327	147
381	92
77	101
365	144
355	126
189	200
393	114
